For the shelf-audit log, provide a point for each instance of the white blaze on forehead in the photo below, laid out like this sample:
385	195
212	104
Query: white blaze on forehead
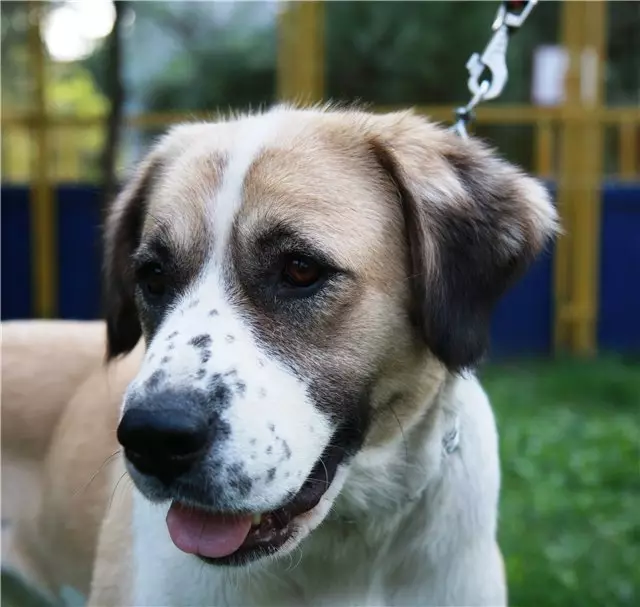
252	134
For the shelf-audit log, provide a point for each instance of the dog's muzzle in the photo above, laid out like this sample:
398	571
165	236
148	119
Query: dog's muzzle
167	439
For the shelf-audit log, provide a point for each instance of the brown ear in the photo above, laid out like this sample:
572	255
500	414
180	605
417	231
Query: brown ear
121	238
474	223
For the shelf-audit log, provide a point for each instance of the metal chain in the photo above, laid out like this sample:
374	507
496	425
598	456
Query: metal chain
510	17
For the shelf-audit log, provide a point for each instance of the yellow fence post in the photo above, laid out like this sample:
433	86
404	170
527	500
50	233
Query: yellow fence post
43	241
580	178
301	52
629	144
589	217
568	150
544	149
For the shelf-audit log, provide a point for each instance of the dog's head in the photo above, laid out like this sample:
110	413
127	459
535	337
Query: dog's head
285	270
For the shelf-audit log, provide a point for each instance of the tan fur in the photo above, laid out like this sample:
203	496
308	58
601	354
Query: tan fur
36	390
58	394
35	393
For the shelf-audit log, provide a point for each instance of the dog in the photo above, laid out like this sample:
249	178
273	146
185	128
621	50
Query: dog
312	288
60	409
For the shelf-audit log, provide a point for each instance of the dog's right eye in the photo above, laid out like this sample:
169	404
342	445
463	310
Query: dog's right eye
152	279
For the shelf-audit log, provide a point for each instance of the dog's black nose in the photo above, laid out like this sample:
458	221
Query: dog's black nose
163	443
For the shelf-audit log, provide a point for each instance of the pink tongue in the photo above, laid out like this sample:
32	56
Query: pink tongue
211	535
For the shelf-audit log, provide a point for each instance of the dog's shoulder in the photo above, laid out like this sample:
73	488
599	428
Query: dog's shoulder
43	363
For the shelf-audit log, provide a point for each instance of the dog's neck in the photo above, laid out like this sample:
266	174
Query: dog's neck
384	480
385	494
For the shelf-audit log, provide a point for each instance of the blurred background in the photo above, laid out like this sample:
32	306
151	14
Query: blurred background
87	85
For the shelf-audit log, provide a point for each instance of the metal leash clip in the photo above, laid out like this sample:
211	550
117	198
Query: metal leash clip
493	59
507	15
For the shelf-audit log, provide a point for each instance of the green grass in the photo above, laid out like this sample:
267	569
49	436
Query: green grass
570	507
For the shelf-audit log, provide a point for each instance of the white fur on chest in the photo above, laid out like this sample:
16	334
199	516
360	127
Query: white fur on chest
438	549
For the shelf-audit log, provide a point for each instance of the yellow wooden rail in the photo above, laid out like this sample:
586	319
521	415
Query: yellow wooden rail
578	125
496	113
65	133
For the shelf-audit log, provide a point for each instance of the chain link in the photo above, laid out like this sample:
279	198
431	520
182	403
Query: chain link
493	59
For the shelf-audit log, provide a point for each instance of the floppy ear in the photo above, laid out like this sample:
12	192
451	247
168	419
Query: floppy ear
473	223
121	238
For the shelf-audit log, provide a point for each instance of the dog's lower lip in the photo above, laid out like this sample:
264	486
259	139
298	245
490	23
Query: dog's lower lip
273	531
216	536
278	526
268	537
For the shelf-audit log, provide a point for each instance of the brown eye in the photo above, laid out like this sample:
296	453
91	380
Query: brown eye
302	272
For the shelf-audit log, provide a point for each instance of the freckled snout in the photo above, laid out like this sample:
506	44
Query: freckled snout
164	443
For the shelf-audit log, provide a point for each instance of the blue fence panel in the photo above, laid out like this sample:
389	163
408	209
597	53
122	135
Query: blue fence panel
619	316
16	253
79	222
523	319
522	323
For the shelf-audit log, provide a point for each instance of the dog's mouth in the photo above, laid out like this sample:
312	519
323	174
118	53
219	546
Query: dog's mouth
238	538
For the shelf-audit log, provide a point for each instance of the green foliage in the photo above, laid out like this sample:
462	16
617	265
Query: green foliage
624	53
391	52
402	52
14	67
72	92
376	52
570	449
222	64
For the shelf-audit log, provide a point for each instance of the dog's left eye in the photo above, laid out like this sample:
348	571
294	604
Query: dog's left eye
300	271
301	276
